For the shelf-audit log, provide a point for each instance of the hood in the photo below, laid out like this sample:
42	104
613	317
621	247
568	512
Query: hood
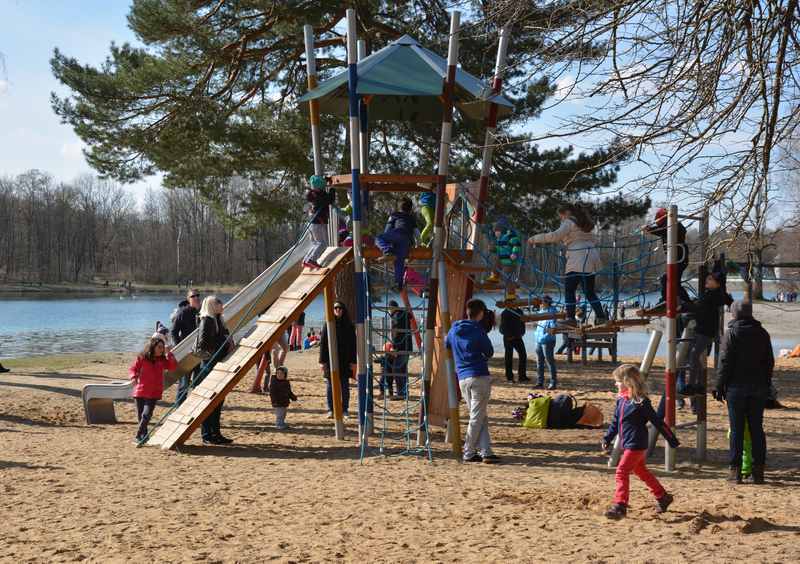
467	327
183	303
744	325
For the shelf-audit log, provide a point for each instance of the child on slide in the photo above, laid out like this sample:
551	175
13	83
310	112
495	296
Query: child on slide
147	374
398	237
631	414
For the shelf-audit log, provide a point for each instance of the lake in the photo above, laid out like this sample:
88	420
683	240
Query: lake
36	326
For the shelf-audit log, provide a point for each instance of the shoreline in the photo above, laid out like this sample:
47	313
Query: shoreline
17	290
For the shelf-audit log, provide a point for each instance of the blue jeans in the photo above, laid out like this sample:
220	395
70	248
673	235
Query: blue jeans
586	281
395	242
344	380
747	406
545	351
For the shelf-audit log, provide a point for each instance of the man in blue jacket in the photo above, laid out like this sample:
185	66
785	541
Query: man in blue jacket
472	350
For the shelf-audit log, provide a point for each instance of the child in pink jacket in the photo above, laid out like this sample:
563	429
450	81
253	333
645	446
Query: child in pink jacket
147	373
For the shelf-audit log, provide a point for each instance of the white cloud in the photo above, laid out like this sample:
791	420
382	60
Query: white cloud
72	151
5	86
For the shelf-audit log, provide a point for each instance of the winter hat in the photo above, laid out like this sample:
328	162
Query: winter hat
317	182
661	215
741	310
501	224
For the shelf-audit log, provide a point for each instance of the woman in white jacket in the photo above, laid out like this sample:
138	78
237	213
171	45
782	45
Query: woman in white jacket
583	260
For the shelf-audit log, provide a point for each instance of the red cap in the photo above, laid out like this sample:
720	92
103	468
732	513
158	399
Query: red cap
661	215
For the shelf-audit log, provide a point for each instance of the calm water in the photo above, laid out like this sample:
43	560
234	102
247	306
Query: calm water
33	326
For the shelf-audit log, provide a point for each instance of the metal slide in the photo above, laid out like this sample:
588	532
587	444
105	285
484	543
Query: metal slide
240	310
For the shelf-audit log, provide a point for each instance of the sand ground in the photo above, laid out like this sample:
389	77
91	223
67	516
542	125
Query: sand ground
71	492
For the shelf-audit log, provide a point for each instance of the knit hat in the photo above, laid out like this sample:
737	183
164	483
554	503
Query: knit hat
661	215
741	310
317	182
501	224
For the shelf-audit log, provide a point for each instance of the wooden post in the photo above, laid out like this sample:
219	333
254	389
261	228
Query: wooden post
673	280
333	359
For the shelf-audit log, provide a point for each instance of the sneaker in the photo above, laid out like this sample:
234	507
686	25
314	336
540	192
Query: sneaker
552	386
474	458
329	415
491	459
617	511
211	441
539	386
311	264
758	474
282	427
223	440
524	379
346	415
663	503
735	475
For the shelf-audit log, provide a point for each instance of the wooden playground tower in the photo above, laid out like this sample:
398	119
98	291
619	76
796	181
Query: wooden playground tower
438	90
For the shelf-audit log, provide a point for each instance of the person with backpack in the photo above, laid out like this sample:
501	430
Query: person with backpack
184	321
744	378
545	337
472	349
513	329
632	412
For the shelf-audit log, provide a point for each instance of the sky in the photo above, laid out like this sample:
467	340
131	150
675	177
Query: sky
31	135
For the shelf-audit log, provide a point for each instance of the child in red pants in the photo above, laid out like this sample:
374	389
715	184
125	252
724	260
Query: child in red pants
631	414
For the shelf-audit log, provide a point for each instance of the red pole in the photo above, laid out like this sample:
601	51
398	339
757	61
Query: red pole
673	280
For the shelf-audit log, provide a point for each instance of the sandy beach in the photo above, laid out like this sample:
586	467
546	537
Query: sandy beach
73	492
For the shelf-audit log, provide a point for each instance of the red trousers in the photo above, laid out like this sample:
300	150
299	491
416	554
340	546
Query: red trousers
633	461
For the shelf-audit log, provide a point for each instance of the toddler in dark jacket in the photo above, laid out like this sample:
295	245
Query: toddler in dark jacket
280	394
398	238
631	415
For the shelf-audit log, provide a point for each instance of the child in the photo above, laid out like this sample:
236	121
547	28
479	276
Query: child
280	394
659	228
631	414
509	253
320	208
427	207
147	373
545	345
398	237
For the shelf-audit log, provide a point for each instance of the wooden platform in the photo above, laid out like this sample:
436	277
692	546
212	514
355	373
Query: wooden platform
203	399
543	316
613	326
533	303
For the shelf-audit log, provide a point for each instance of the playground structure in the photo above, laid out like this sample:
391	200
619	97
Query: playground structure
455	265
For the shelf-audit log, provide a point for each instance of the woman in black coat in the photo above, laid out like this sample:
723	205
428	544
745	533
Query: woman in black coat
346	347
214	340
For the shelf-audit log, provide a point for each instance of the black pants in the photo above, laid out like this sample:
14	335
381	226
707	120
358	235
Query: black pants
746	405
682	293
144	412
210	428
586	281
518	345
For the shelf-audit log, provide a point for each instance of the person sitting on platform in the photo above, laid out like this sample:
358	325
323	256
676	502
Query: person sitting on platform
398	238
319	211
659	229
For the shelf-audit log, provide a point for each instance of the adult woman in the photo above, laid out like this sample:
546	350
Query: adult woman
583	260
214	339
346	347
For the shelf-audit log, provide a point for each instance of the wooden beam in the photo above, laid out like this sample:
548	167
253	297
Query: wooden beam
543	316
533	303
342	180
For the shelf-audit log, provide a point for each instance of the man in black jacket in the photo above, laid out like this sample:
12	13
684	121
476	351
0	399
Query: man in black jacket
401	346
744	378
513	328
184	323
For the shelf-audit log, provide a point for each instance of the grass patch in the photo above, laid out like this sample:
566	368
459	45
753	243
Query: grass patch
58	362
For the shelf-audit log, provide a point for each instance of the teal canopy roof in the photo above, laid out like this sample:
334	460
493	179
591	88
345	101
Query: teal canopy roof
405	81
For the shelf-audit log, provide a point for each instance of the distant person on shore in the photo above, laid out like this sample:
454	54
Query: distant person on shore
280	395
631	414
472	349
744	378
215	341
320	200
147	374
184	322
346	349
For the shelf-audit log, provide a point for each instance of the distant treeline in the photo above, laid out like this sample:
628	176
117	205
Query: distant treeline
92	230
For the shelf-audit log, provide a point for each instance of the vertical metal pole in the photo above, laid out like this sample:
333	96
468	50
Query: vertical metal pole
615	284
479	217
438	231
360	280
672	328
701	399
333	356
453	423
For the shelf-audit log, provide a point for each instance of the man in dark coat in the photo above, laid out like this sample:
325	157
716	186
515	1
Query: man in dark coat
184	323
513	328
744	377
401	346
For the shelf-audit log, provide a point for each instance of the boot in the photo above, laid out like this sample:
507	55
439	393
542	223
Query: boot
3	369
663	503
617	511
758	473
735	474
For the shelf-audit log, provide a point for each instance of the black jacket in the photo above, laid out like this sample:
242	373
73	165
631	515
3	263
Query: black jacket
320	204
746	360
401	331
213	334
660	231
705	311
185	322
345	345
511	325
401	221
280	392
